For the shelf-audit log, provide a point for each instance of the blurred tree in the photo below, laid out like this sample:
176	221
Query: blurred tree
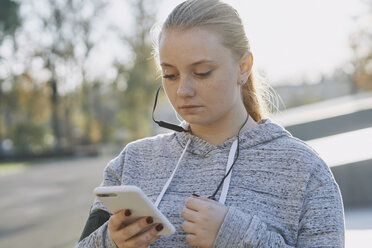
140	78
9	18
27	101
68	27
91	133
361	44
114	105
9	22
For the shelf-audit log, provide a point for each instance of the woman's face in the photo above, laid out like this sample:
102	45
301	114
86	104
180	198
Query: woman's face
200	75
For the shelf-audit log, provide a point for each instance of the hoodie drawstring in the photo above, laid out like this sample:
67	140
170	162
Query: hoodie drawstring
226	183
171	177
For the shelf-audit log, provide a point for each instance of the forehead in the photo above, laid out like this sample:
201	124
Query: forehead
186	46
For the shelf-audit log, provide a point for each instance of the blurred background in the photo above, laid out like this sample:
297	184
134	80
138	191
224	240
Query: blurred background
77	83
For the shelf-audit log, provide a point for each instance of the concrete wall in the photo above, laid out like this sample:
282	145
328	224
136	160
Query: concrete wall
331	126
355	182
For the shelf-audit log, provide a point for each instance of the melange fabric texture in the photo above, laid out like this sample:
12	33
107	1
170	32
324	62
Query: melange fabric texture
281	193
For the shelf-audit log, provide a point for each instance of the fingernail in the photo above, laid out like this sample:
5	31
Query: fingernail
159	227
149	220
196	195
127	212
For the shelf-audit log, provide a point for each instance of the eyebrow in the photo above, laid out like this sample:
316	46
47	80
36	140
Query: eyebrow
193	64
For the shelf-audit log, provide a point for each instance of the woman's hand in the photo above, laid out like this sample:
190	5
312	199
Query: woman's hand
125	236
203	220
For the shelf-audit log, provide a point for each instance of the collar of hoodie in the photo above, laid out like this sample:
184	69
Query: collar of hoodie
265	131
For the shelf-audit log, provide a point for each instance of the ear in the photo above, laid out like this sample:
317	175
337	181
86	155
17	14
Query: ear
246	63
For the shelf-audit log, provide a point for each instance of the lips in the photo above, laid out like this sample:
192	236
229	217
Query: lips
189	106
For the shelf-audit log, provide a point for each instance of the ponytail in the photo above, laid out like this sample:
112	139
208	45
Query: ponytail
259	98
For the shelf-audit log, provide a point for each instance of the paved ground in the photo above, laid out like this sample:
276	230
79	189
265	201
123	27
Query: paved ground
46	206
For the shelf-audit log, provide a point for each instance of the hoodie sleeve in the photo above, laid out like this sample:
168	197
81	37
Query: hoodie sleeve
245	230
101	238
321	223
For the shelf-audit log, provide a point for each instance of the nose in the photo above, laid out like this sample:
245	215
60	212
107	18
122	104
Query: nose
185	87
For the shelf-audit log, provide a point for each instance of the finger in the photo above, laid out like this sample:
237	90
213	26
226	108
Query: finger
191	239
153	240
131	230
189	215
155	230
144	239
209	200
193	203
189	227
117	219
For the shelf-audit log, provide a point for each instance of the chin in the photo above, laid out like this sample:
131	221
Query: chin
197	120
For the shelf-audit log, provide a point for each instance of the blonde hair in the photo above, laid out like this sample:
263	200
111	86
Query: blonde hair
224	19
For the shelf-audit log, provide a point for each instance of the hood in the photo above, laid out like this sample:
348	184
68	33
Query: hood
265	131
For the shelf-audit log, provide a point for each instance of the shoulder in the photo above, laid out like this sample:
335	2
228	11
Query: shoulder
295	146
303	157
145	145
150	147
141	150
291	153
152	142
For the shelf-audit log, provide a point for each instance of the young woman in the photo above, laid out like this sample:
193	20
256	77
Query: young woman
272	190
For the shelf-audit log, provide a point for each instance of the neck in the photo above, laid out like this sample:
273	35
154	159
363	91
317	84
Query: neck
218	132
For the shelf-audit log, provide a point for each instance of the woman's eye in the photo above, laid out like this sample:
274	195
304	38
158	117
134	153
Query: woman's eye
204	74
169	76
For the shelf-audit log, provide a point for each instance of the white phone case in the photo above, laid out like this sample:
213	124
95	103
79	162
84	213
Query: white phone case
131	197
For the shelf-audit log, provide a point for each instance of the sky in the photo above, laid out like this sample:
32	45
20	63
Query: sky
295	40
292	41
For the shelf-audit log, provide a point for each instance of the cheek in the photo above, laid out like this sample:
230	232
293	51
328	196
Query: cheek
221	92
170	91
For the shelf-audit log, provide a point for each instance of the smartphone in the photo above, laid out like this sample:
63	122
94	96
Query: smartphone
131	197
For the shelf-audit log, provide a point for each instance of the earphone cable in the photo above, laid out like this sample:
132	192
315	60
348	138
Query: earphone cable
213	197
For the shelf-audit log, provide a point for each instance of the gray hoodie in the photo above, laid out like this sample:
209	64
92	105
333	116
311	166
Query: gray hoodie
281	193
